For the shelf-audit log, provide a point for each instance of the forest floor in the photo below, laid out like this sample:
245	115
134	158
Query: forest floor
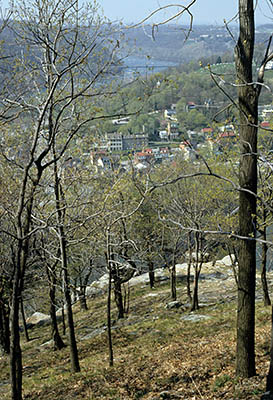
159	353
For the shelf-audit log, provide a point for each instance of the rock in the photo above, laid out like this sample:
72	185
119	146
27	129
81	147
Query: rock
169	395
195	317
227	260
92	291
174	304
267	396
94	333
151	295
181	268
205	256
214	275
38	319
49	343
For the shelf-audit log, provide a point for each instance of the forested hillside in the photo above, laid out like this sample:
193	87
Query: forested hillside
106	176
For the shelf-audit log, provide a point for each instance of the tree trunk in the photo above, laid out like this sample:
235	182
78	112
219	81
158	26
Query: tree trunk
151	274
74	358
189	269
118	295
15	348
109	327
82	299
4	327
126	302
269	378
60	211
63	321
248	110
173	281
267	301
58	343
195	303
24	319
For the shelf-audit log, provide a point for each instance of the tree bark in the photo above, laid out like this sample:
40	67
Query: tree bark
118	292
15	348
82	299
24	319
60	211
151	274
4	325
189	269
248	114
173	282
269	378
58	343
267	301
109	321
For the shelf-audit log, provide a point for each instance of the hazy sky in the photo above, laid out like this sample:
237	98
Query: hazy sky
205	11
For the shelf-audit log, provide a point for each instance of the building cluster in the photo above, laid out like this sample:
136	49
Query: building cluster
124	151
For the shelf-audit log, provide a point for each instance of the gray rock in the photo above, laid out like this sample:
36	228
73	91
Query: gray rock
94	333
174	304
227	260
195	317
267	396
38	319
169	395
49	343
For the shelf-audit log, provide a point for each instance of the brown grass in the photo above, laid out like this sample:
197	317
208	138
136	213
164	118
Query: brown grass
157	354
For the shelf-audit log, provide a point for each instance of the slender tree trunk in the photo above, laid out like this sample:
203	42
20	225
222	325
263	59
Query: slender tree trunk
126	302
173	281
74	358
248	110
151	274
4	327
60	211
197	269
118	294
195	302
267	301
269	378
189	269
63	321
24	319
15	348
82	299
109	322
58	343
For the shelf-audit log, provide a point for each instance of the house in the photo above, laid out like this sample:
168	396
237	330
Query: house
227	135
267	113
134	142
207	131
170	115
190	106
102	160
119	142
265	124
143	158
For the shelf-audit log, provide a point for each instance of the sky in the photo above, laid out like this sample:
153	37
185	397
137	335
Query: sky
204	11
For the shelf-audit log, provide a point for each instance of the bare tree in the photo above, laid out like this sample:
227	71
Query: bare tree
248	95
57	55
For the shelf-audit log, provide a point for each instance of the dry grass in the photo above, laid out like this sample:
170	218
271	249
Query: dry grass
157	355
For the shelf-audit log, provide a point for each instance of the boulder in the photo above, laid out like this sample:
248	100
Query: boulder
38	319
195	317
174	304
267	396
228	260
